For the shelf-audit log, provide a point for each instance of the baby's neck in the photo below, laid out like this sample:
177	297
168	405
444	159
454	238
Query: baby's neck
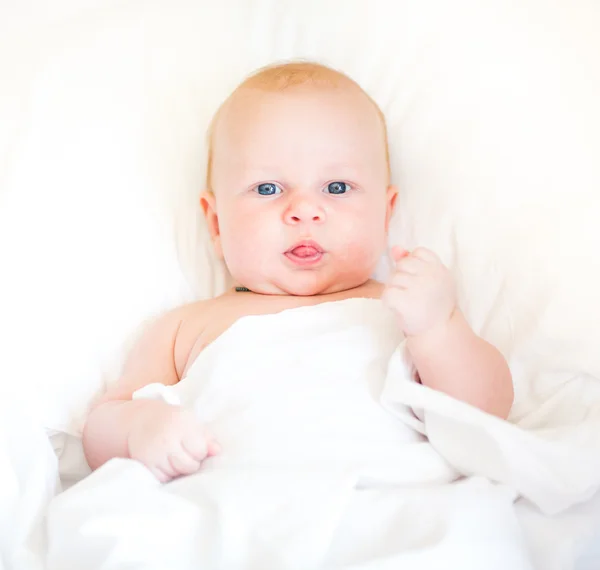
369	289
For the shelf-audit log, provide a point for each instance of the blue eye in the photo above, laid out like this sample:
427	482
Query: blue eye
268	189
337	187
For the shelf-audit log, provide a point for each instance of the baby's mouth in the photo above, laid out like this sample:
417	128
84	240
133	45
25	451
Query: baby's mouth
305	253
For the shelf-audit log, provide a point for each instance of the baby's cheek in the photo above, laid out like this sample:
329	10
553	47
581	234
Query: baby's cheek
240	257
360	256
366	240
246	252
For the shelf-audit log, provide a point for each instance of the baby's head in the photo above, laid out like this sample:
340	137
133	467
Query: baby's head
298	197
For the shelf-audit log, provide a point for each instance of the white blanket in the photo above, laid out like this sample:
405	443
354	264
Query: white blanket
28	481
325	464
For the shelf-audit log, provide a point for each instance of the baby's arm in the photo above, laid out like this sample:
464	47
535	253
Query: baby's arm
166	438
451	358
447	354
151	360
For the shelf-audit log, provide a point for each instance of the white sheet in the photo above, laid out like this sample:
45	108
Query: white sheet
28	481
315	474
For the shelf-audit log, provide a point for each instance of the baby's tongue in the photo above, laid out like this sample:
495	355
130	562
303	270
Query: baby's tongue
304	251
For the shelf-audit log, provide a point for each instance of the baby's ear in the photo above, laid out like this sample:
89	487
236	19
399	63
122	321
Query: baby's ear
390	198
209	207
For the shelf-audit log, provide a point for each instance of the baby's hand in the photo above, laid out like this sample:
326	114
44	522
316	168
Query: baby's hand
169	440
421	290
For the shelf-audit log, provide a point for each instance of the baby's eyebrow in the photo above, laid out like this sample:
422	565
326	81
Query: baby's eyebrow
256	173
341	169
258	176
327	171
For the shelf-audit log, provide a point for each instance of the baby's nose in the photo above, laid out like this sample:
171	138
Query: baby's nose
304	211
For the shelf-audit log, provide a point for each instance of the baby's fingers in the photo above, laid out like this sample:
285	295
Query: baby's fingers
426	255
411	265
402	280
160	474
398	253
213	447
196	444
182	463
395	297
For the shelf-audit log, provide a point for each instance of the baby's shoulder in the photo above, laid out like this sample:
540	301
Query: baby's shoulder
198	324
201	323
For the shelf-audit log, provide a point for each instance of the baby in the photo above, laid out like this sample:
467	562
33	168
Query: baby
298	205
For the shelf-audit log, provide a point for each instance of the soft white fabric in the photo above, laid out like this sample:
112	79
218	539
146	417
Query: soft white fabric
72	465
322	467
314	472
28	481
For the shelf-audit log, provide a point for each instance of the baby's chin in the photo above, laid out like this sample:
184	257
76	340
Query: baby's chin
304	287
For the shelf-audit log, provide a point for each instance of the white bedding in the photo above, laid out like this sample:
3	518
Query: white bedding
28	480
22	545
316	474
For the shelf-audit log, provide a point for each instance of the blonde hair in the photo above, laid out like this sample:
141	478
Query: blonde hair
282	76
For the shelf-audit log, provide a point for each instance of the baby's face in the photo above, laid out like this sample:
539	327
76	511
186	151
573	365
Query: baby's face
301	201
